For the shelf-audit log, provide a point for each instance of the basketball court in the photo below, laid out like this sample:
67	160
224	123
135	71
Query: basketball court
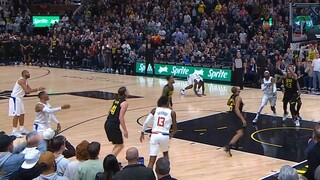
195	151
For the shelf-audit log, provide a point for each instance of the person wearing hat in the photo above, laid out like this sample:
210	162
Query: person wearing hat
29	169
48	165
33	140
9	162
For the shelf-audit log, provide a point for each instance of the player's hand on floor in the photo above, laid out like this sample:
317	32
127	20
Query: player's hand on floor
65	106
141	137
58	127
125	134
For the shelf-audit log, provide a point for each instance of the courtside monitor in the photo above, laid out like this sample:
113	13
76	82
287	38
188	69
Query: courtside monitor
304	24
44	21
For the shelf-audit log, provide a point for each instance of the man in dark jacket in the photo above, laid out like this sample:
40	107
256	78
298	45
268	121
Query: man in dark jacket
314	155
163	169
149	56
134	171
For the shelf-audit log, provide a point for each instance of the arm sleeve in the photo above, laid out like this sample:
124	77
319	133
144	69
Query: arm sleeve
274	88
263	87
149	118
53	118
51	110
69	151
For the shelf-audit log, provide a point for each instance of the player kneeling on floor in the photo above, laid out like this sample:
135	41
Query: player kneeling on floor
196	82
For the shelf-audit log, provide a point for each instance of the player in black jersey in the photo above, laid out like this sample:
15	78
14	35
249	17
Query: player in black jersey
116	119
237	120
168	89
292	96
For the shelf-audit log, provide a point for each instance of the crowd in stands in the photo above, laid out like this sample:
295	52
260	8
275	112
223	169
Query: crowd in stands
112	35
42	158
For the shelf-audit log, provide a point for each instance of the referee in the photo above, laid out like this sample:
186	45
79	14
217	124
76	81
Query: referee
115	119
237	69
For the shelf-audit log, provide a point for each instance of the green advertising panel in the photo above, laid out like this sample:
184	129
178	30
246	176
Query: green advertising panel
184	71
44	21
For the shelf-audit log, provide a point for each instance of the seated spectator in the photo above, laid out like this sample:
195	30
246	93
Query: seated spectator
58	146
110	166
134	171
81	155
90	168
33	140
288	173
48	136
9	162
163	169
48	165
29	169
314	155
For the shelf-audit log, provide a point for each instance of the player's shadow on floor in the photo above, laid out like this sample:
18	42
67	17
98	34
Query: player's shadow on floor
270	137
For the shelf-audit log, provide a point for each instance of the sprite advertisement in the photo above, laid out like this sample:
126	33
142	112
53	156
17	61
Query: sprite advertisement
184	71
44	21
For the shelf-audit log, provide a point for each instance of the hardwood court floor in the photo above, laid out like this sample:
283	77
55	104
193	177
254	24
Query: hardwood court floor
188	160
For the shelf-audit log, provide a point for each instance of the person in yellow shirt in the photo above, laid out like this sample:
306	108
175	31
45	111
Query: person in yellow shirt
201	8
311	53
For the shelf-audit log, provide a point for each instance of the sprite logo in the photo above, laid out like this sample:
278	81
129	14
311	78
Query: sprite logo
179	71
220	74
40	21
44	21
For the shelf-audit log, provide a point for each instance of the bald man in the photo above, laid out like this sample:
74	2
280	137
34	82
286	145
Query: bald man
135	171
16	106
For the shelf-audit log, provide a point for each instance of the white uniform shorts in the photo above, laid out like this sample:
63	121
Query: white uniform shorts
159	141
40	128
16	106
271	99
191	80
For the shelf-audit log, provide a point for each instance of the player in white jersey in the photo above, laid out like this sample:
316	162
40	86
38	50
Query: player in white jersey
45	114
16	106
196	82
162	118
269	94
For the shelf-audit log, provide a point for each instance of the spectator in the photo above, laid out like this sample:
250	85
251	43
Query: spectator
163	169
29	169
314	155
134	171
307	80
48	165
288	173
58	146
81	156
9	162
111	167
251	73
90	168
316	73
33	140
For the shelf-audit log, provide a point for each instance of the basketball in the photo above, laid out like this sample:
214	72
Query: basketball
265	26
156	39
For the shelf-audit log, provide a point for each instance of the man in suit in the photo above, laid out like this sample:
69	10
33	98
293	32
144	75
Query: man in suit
134	171
313	156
